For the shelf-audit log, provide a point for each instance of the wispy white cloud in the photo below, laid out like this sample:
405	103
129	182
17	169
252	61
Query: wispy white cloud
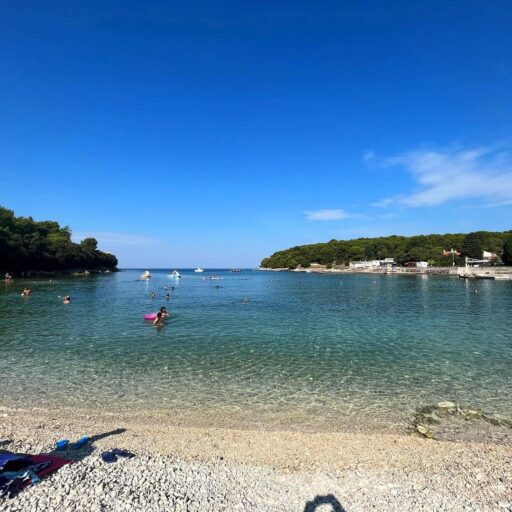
113	238
385	202
368	156
443	176
333	214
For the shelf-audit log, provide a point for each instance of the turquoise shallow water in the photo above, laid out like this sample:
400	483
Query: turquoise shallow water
307	350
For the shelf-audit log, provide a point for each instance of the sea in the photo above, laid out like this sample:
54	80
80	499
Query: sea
256	349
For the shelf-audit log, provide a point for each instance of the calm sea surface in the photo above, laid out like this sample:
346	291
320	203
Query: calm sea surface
306	351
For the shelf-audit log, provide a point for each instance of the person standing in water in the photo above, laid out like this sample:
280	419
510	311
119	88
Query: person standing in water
159	320
67	300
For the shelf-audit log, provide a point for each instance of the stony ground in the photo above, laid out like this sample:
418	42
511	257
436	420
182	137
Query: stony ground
177	468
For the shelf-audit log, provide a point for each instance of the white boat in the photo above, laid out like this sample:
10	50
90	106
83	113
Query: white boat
175	275
503	277
198	269
145	276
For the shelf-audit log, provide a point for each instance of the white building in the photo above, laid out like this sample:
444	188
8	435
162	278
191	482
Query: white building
372	264
360	265
421	264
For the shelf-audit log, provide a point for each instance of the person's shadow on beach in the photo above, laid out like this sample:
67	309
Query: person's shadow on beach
329	499
87	449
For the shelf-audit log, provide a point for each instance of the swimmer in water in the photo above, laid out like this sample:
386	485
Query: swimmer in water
67	300
167	297
26	292
153	295
245	301
172	288
163	312
159	320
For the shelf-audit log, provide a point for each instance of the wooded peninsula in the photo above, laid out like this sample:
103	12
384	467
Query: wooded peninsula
28	246
403	249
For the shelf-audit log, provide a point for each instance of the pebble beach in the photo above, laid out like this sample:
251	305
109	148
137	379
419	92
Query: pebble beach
201	469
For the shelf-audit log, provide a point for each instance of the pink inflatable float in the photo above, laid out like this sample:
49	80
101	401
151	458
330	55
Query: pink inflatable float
150	316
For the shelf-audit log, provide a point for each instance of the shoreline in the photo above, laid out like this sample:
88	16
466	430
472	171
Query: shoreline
403	271
43	274
361	470
453	425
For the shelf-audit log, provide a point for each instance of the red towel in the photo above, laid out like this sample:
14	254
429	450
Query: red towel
56	463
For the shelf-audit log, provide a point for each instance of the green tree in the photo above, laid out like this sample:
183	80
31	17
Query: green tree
29	245
507	251
356	252
89	245
473	245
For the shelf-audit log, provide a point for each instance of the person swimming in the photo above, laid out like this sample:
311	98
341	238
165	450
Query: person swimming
159	320
167	297
67	299
26	292
153	295
163	312
245	301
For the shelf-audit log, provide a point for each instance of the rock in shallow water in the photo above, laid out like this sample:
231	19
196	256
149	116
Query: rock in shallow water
447	405
424	431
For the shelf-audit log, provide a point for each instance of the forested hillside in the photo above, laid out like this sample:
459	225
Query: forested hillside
404	249
28	245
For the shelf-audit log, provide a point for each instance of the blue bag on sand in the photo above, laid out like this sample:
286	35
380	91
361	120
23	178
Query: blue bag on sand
83	440
60	445
108	457
123	453
112	455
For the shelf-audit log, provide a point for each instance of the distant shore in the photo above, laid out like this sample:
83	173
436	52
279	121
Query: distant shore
36	274
410	271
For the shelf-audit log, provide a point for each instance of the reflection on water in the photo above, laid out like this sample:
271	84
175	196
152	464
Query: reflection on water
307	350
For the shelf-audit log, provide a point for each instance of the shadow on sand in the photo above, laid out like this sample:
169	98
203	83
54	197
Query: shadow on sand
328	499
88	448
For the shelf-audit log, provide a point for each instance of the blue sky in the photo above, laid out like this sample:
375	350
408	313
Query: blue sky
214	133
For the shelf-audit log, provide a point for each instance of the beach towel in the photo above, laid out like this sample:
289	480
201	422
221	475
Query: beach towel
13	461
38	466
55	463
